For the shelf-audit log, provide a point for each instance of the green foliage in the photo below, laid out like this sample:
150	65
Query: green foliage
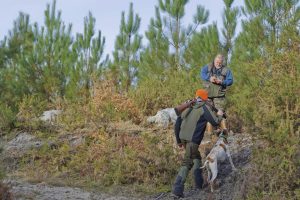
176	34
41	64
106	106
229	22
127	47
155	59
30	109
14	52
269	90
89	64
52	53
203	47
105	159
154	94
7	117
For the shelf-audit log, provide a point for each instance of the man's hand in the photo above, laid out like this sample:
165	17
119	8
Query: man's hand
220	113
191	102
218	81
212	79
181	146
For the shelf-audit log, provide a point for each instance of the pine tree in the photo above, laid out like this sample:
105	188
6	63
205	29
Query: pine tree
176	34
127	49
15	50
155	59
266	60
52	56
89	49
203	47
230	15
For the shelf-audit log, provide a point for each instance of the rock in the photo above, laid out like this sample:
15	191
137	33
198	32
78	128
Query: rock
19	145
50	115
76	140
163	117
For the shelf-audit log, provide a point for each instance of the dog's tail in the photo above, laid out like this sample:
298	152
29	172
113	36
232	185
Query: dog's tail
204	165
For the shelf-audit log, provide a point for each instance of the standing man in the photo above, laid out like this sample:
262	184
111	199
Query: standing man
189	131
217	78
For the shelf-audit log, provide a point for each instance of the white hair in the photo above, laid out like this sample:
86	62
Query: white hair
220	57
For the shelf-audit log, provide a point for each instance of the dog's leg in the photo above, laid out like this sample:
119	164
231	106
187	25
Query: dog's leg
208	174
214	170
230	159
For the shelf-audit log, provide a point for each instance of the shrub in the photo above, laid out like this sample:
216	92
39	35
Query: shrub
152	94
30	109
7	117
106	159
271	106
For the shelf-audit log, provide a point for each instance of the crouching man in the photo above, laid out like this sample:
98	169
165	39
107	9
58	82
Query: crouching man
189	131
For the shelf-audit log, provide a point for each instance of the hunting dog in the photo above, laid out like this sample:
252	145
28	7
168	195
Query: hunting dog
217	153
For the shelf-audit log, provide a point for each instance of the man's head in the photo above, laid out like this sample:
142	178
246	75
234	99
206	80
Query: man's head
203	94
218	62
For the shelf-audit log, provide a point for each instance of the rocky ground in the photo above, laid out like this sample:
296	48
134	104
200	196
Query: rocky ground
230	183
24	191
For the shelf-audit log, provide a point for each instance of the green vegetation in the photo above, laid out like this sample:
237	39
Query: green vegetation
43	67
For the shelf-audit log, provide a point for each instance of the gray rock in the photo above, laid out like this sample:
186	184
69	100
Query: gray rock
163	117
50	115
20	144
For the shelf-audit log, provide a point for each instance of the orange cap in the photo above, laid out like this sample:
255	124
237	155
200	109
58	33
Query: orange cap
203	94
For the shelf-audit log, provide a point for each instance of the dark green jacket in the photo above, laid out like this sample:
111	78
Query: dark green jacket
191	124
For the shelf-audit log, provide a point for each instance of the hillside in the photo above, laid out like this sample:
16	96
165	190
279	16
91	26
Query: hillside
231	184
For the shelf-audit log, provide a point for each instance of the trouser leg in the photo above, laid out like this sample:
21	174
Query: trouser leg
178	186
197	173
220	105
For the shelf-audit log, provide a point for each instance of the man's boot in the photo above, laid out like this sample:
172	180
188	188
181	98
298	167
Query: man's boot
178	186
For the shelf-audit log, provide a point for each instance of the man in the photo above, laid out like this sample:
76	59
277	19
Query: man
189	131
217	78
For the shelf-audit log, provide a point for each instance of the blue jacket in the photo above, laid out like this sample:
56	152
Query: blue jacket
205	75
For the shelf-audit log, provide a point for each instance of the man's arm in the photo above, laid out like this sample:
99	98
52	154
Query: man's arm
204	74
228	79
211	117
177	129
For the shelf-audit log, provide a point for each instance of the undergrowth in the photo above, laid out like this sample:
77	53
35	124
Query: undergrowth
108	160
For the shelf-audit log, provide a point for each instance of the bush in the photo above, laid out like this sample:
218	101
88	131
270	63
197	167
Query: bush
107	105
152	95
106	159
30	109
7	117
271	106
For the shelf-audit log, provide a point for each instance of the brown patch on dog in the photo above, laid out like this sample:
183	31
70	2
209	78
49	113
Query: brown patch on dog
210	159
223	146
214	139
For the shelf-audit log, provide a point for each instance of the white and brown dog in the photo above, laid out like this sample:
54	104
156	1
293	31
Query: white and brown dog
217	153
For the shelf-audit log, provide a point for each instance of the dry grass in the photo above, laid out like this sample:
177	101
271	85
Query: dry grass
114	105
